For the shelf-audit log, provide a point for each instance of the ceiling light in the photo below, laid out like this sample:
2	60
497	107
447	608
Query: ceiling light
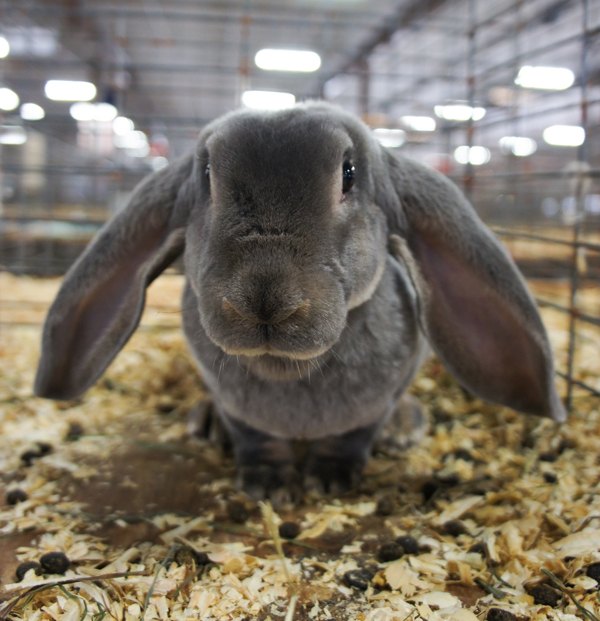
122	125
4	47
69	90
459	112
12	135
82	111
268	100
32	112
518	145
564	135
391	138
545	78
104	112
303	61
132	140
419	123
93	112
9	100
477	156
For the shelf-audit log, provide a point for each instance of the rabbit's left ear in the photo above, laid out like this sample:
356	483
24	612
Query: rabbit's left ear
474	305
102	296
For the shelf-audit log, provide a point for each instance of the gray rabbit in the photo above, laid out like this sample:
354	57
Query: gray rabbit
319	268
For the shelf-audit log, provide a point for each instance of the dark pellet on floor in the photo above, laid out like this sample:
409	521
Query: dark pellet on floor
389	552
15	496
409	544
357	579
55	562
289	530
23	568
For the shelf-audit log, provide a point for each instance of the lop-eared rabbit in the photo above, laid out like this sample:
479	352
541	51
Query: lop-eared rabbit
320	267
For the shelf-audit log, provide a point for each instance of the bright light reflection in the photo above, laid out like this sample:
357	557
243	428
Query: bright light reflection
133	140
419	123
69	90
519	146
477	156
268	100
32	112
303	61
90	112
4	47
123	125
459	112
391	138
9	100
545	78
12	135
564	135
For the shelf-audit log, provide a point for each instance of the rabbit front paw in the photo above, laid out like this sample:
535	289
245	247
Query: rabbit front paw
277	482
333	475
335	464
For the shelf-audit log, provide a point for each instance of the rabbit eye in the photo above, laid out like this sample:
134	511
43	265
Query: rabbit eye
207	170
348	172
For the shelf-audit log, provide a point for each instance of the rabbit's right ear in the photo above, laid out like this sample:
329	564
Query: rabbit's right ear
474	305
102	296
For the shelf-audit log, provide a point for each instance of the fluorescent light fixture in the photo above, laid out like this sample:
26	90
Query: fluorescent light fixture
391	138
132	140
105	112
123	125
303	61
518	145
9	100
82	111
459	112
32	112
419	123
477	156
93	112
69	90
268	100
12	135
564	135
545	78
4	47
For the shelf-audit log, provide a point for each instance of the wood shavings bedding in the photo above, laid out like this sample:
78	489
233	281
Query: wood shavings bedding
493	515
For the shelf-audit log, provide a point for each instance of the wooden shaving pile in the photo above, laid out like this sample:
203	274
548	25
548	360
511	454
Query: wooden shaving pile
504	509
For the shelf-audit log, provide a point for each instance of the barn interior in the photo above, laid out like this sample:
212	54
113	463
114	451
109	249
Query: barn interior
491	514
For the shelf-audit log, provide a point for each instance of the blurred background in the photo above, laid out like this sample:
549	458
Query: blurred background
503	97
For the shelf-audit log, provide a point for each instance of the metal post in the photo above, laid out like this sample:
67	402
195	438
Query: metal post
468	178
580	191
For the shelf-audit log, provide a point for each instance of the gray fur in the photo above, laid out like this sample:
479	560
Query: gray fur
307	311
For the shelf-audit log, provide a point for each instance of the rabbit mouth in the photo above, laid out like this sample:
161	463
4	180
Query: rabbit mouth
269	351
281	368
268	362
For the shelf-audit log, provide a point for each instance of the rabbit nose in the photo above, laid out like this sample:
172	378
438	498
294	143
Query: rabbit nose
264	313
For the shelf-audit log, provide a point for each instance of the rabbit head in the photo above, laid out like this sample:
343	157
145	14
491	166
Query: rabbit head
291	238
286	220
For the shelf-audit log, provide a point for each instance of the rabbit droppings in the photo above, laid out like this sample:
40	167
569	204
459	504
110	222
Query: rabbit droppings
320	266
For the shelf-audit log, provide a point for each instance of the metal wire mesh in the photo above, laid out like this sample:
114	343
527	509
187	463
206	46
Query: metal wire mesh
570	252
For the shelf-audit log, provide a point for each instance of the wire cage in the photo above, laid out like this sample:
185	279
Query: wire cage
540	193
